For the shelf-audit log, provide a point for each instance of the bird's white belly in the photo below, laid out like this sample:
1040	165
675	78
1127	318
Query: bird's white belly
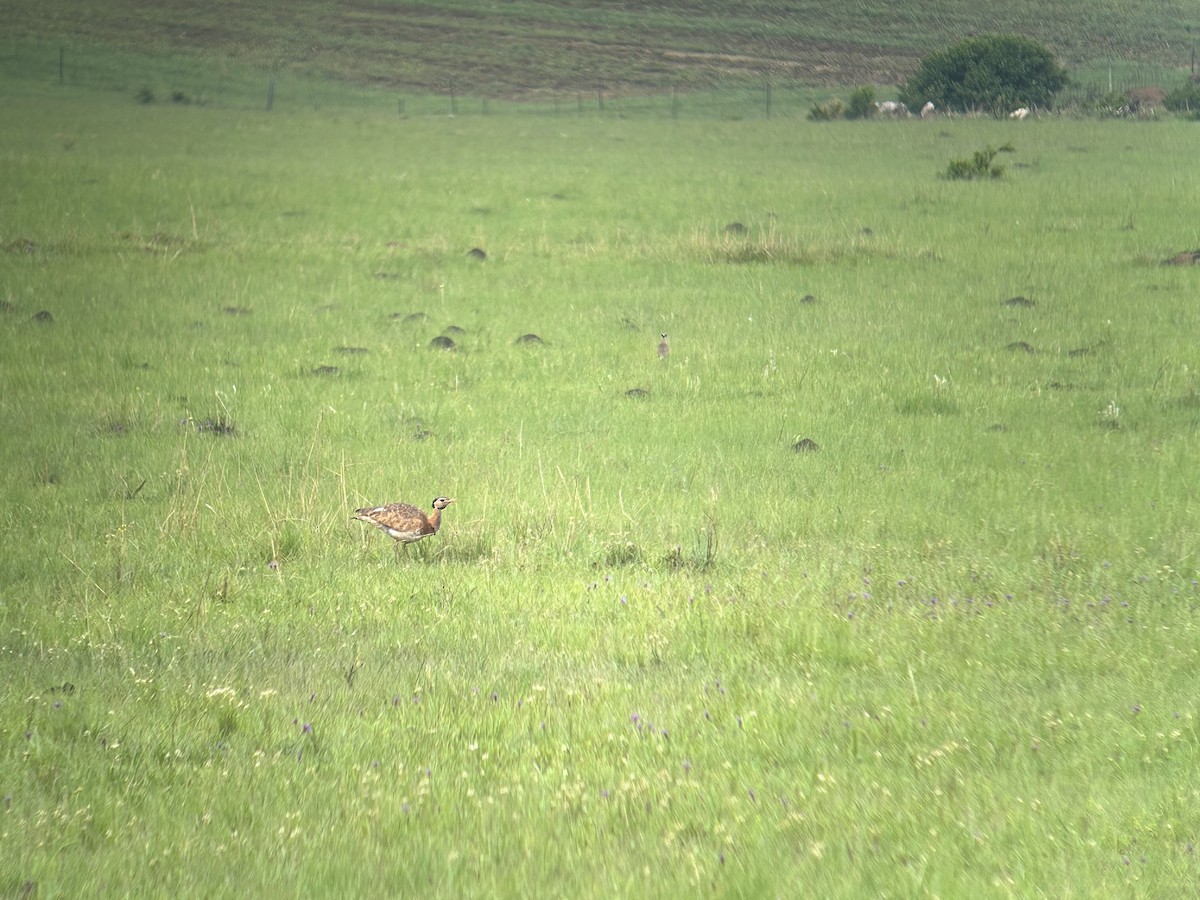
407	536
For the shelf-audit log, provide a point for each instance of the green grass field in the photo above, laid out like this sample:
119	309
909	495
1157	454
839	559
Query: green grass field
659	648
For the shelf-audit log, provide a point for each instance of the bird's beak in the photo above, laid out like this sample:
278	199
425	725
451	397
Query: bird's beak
449	501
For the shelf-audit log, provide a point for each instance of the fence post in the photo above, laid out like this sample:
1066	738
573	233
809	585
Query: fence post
270	93
400	106
453	100
768	99
62	51
674	101
600	97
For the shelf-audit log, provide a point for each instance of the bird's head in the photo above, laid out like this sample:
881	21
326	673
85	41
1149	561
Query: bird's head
442	502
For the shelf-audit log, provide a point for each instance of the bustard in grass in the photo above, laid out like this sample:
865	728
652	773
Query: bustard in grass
663	347
404	523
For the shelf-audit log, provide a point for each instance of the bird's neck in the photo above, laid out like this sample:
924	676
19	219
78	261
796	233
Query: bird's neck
435	518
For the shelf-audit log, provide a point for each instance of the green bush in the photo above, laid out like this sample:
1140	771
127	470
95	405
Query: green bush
1184	99
981	165
827	111
1111	104
996	73
861	104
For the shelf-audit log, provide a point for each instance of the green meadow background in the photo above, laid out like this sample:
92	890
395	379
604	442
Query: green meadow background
884	583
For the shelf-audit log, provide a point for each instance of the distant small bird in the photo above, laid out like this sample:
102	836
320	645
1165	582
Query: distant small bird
404	523
664	348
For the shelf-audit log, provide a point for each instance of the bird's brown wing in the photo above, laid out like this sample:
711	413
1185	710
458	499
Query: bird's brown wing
400	520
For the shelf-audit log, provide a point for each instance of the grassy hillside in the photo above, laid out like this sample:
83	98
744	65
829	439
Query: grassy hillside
525	47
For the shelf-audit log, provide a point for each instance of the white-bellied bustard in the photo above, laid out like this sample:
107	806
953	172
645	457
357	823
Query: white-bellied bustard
664	348
404	523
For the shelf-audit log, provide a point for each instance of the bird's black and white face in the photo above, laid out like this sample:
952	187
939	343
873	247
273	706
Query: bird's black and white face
664	335
442	502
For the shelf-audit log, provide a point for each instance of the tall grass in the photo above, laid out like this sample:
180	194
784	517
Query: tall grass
661	645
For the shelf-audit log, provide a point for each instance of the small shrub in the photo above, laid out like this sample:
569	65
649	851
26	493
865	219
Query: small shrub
980	165
1185	99
827	111
861	104
1107	105
144	95
626	553
1144	101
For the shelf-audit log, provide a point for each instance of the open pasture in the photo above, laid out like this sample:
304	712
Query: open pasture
883	583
